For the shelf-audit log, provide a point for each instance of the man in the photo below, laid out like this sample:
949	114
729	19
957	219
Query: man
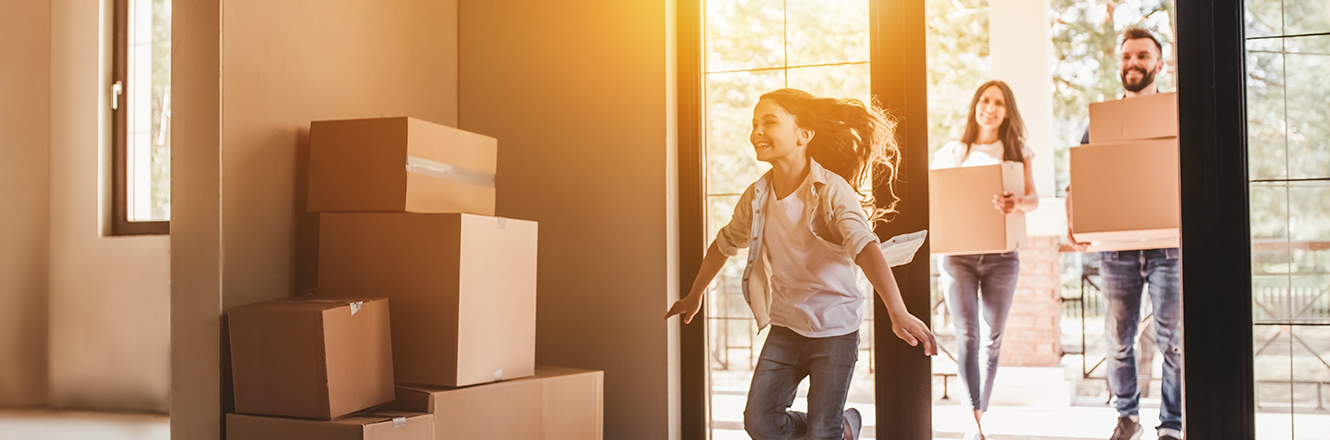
1126	273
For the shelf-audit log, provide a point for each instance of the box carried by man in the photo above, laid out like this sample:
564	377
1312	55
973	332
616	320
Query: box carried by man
1125	181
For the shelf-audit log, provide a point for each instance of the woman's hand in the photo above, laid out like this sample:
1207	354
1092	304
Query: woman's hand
688	306
913	331
1005	203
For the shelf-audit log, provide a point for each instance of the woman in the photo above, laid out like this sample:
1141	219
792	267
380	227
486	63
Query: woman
985	284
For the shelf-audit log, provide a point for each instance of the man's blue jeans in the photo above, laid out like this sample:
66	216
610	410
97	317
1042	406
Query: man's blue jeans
1125	274
786	359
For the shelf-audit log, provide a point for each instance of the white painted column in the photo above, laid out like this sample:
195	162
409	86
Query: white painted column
1022	57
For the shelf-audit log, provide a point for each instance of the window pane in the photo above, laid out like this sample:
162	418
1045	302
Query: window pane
744	34
1265	110
1308	114
731	163
958	62
1274	386
148	117
1263	18
1306	16
1311	370
844	81
827	31
1271	259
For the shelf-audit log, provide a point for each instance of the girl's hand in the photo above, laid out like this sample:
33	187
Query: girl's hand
688	306
1005	203
911	330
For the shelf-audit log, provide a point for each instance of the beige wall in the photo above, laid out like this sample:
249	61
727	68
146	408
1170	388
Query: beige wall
1022	55
24	125
581	96
109	296
239	231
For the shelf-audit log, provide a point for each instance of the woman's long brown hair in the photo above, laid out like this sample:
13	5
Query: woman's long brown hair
1012	130
856	141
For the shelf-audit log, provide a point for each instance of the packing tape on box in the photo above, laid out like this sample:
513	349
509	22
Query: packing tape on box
355	306
399	422
498	375
503	222
445	171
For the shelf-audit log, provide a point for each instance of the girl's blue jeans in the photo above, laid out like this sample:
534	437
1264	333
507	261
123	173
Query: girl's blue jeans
984	287
786	359
1125	275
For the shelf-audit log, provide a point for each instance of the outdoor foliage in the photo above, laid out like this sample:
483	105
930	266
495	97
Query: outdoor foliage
958	62
1085	66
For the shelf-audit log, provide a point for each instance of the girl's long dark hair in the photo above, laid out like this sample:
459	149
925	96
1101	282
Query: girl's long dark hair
856	141
1012	130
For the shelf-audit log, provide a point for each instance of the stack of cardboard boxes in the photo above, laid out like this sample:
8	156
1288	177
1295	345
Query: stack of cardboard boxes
407	213
1125	189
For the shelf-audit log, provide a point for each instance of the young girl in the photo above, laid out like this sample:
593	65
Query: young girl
806	226
985	284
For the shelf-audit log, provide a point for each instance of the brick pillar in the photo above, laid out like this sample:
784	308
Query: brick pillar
1034	331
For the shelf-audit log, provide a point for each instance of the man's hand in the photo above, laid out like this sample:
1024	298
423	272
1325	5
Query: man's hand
913	331
688	306
1079	246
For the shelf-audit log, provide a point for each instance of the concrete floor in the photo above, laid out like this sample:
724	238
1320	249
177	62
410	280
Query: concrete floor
73	425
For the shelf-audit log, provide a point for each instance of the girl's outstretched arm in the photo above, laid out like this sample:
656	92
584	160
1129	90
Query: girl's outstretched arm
689	305
907	327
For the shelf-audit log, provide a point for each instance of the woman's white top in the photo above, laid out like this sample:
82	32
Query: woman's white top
813	287
953	155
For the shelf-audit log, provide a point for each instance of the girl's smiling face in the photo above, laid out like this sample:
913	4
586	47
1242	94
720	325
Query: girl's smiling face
775	134
991	109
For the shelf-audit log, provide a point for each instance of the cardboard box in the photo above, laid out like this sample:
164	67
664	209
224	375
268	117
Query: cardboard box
1127	193
961	213
555	404
1146	117
463	289
379	425
311	358
399	165
1132	245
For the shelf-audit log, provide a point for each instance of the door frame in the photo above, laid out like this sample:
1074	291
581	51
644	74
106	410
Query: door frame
1218	388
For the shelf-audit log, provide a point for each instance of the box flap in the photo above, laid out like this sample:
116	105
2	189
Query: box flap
358	346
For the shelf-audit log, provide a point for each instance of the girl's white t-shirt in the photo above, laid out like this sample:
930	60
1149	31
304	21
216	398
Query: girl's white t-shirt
953	155
813	287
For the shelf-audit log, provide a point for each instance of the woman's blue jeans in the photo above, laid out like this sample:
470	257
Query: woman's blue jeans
787	358
984	287
1126	274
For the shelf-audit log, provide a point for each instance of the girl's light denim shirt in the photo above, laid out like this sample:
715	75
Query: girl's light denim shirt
836	219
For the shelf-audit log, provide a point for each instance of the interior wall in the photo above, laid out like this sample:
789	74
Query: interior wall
581	95
25	66
243	235
109	296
